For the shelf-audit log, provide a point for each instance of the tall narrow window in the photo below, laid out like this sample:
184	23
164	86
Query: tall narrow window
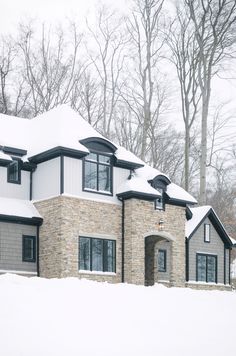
159	202
14	173
207	232
29	249
98	173
97	254
206	268
161	260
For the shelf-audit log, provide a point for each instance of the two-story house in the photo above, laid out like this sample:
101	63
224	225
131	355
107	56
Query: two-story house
72	203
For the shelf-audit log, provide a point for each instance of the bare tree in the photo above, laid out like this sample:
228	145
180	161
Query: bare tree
50	66
105	51
184	55
142	90
215	26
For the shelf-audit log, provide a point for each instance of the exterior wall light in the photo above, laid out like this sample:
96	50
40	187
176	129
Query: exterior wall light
161	225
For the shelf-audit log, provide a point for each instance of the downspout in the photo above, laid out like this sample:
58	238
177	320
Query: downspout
229	265
224	265
123	243
187	259
37	253
31	182
61	174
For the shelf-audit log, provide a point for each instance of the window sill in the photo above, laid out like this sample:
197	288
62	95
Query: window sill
97	272
207	283
102	192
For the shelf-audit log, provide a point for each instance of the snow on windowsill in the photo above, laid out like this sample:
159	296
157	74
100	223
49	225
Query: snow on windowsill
208	283
98	272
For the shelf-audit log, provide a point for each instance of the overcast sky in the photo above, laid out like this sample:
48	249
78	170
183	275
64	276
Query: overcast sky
54	11
13	11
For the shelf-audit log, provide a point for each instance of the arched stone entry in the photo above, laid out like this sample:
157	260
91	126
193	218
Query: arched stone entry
154	242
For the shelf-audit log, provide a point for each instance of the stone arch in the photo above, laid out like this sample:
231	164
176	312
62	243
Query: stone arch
152	239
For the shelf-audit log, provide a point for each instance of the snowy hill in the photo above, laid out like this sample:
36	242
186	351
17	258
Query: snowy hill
71	317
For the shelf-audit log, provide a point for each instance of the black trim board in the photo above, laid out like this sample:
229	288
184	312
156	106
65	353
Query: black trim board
178	202
13	151
91	142
138	195
35	221
56	152
126	164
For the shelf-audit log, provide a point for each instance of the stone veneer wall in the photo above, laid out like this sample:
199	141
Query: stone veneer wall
67	218
141	219
209	286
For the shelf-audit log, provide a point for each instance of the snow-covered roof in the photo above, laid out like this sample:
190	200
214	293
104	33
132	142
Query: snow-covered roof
59	127
173	191
198	214
149	173
123	155
18	207
4	157
233	241
63	127
138	185
176	192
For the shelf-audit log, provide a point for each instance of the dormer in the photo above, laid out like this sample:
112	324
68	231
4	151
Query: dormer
160	183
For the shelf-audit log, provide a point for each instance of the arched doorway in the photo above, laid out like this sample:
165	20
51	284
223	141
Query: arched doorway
158	253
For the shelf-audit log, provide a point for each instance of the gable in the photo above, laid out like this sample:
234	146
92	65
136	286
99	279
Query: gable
197	221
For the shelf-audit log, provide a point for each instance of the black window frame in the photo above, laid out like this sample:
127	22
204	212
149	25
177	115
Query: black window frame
205	240
162	202
165	260
98	163
9	179
104	263
216	267
24	257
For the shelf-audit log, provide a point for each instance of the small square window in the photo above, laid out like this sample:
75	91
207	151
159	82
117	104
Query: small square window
161	260
14	172
29	249
207	232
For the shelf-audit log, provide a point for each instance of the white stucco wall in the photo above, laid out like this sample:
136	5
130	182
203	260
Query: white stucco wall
12	190
46	179
73	181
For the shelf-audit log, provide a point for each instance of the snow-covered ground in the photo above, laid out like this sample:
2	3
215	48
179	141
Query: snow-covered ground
71	317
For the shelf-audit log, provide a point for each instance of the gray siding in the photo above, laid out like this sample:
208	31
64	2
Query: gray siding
11	247
163	276
215	247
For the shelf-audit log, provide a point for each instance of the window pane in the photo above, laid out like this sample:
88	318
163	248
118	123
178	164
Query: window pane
161	261
92	157
84	253
13	171
109	255
211	269
104	178
97	255
104	159
159	201
90	175
201	268
28	248
207	232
